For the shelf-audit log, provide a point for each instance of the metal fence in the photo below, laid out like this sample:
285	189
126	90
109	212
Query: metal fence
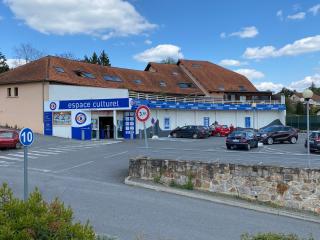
300	122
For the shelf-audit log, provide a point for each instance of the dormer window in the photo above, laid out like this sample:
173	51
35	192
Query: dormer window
175	73
137	81
242	88
195	65
84	74
221	88
112	78
163	83
185	85
59	69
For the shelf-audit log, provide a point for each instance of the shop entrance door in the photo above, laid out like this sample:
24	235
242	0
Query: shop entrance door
106	128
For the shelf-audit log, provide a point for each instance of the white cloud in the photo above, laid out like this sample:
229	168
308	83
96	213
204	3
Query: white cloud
250	73
246	32
148	42
232	63
99	18
223	35
280	14
159	53
301	46
315	9
297	16
306	82
269	86
13	63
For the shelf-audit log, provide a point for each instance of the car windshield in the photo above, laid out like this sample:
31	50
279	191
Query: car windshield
314	135
6	134
238	134
269	129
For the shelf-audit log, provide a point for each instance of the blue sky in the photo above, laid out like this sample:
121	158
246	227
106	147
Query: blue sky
274	43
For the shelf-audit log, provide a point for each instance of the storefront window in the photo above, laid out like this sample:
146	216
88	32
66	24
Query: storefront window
62	118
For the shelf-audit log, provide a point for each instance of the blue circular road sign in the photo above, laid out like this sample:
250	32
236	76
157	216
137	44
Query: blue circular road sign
26	137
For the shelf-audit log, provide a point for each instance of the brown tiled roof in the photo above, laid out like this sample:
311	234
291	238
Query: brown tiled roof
215	78
44	69
315	97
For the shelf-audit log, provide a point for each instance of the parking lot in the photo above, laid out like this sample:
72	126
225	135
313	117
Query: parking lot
89	176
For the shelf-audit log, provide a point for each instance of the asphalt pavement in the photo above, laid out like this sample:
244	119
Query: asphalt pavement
89	176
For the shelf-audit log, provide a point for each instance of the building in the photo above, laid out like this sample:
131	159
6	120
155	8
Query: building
296	97
72	99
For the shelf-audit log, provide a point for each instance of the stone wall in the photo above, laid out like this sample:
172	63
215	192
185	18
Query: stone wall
289	187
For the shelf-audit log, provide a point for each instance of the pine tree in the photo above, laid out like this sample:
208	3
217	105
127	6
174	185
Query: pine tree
3	63
104	59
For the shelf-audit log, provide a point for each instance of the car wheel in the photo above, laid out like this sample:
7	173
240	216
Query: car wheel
293	140
228	147
174	135
270	141
248	147
194	136
18	145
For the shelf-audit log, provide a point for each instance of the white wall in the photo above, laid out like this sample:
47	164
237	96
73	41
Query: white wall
190	117
65	92
61	131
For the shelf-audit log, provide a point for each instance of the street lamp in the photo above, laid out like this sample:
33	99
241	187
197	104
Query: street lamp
307	95
253	105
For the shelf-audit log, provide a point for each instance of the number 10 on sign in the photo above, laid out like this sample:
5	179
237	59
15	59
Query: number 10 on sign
143	114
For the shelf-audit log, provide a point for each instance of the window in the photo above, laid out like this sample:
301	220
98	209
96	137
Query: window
62	118
163	83
221	87
84	74
242	88
112	78
175	73
196	65
8	92
185	85
166	123
59	70
16	92
137	81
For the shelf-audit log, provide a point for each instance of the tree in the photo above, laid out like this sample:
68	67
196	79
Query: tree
38	219
169	60
27	52
289	106
3	63
67	55
102	60
300	108
287	92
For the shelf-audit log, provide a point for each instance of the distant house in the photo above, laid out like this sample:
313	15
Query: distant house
297	96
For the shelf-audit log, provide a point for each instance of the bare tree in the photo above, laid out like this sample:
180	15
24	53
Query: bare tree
67	55
26	52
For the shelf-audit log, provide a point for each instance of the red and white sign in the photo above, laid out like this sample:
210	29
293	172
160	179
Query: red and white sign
143	113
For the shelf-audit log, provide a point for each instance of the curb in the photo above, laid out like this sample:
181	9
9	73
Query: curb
220	200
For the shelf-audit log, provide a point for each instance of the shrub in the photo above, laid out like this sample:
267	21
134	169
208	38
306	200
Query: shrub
272	236
38	219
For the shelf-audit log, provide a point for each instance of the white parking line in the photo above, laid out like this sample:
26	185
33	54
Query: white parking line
37	154
12	159
117	154
20	155
76	166
45	152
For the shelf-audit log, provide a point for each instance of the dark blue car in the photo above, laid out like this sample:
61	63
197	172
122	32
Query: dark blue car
246	139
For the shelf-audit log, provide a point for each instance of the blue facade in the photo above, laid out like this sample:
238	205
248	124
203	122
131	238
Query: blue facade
205	106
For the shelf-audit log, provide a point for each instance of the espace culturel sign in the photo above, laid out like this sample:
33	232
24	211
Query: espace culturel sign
116	103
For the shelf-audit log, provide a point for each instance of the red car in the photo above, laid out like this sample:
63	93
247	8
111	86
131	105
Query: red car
9	139
221	131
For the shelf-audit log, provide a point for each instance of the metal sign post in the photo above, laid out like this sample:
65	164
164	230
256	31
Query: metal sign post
26	138
143	114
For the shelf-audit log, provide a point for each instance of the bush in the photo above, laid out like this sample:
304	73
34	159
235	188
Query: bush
272	236
37	219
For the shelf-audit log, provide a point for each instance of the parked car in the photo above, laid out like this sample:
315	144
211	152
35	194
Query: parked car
221	131
190	131
9	139
245	139
279	134
314	141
